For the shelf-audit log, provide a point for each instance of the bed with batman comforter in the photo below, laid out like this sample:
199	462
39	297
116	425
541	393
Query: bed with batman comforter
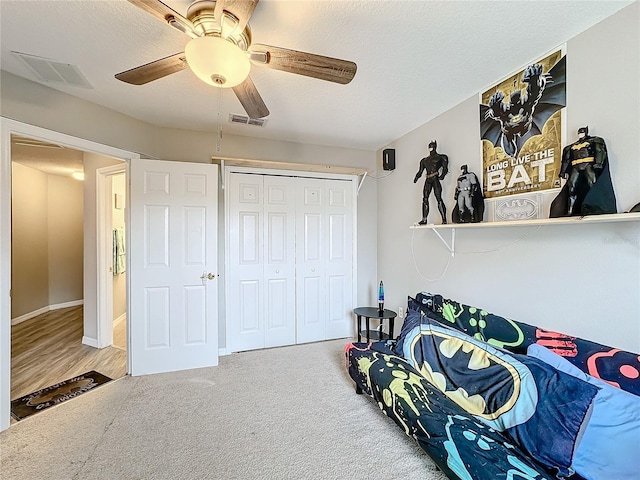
488	397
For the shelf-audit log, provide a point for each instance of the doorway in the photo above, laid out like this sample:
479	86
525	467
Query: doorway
54	307
48	224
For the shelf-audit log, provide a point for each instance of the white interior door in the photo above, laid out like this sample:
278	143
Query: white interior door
324	259
245	285
279	261
311	252
173	249
261	287
339	264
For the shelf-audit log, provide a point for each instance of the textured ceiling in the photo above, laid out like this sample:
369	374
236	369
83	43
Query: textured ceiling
416	59
46	157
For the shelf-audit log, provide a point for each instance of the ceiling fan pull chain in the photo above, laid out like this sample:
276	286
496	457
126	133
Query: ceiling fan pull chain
219	132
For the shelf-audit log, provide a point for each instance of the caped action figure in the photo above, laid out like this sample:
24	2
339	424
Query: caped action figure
437	166
469	198
585	166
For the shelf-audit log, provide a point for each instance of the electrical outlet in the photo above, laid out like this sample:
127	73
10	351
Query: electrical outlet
400	312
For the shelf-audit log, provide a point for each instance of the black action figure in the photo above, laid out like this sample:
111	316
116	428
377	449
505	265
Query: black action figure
585	165
437	166
469	198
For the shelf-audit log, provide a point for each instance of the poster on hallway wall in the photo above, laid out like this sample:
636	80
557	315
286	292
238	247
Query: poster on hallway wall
521	129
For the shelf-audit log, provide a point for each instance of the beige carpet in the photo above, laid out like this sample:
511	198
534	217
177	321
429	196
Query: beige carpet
282	413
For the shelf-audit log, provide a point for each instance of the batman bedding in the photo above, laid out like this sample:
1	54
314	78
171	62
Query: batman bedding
482	412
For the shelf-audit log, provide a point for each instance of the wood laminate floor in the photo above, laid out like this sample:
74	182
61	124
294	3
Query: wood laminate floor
48	349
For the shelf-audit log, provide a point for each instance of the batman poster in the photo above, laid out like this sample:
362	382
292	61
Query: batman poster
521	129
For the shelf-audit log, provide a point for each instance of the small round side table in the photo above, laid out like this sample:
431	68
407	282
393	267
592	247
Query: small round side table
373	312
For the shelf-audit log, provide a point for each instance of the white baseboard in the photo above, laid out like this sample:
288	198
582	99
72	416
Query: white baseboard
27	316
92	342
73	303
48	308
222	352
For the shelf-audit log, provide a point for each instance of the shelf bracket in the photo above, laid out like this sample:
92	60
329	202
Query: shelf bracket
364	175
451	247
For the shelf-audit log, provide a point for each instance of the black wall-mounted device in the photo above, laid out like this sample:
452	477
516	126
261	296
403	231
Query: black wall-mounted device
389	159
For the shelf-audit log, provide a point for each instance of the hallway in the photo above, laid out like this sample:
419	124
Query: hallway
48	349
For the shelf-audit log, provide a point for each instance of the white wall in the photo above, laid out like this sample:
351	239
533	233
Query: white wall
578	279
47	241
34	104
64	202
30	253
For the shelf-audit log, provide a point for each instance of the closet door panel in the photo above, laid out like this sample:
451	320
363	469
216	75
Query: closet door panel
313	244
339	264
311	322
279	264
311	251
337	286
245	305
248	314
249	239
337	237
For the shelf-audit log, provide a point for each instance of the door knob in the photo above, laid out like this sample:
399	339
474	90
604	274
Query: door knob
207	276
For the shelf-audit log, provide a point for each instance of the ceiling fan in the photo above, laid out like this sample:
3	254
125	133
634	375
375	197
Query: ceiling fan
220	51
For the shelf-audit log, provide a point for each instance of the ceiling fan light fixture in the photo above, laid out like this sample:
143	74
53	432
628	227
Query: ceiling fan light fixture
217	61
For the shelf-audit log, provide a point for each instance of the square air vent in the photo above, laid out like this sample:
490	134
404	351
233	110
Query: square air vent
50	71
243	119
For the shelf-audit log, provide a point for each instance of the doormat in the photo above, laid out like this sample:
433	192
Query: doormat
47	397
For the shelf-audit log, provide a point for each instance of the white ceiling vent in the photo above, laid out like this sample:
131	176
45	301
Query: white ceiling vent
257	122
50	71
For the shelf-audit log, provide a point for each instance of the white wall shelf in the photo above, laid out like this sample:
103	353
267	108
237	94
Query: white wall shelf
591	219
615	217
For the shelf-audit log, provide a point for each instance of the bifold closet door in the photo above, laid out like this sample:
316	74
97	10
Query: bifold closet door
279	261
324	259
261	287
245	286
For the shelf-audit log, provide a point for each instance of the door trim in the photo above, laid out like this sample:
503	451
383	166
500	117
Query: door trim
10	127
228	170
104	257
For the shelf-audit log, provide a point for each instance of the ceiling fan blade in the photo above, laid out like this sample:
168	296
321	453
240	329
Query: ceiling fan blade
165	14
302	63
154	70
251	99
241	9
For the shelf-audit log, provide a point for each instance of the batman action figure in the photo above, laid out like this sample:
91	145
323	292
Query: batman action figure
436	166
469	198
588	190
